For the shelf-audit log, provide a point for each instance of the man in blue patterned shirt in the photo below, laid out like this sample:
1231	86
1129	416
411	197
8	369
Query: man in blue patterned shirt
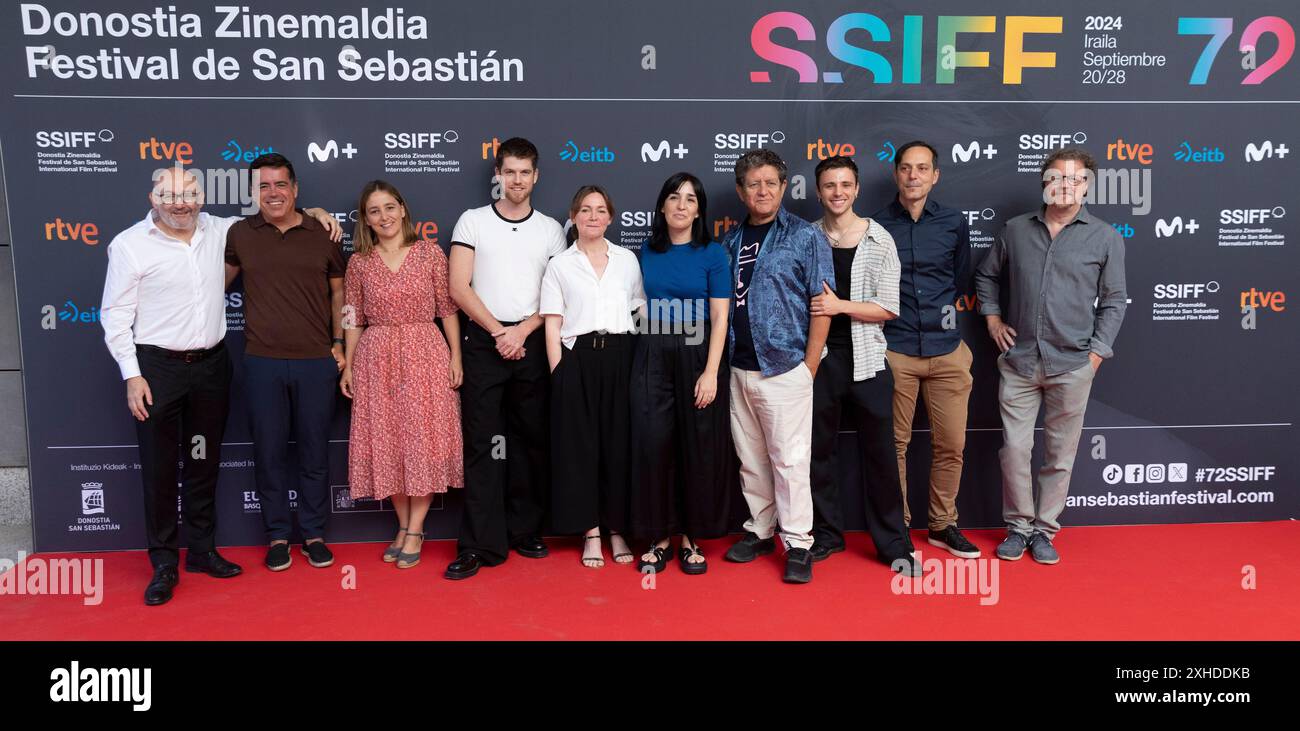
778	262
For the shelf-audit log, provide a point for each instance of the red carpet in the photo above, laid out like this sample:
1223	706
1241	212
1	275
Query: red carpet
1151	582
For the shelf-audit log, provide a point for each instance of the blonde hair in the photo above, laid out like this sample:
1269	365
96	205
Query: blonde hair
363	239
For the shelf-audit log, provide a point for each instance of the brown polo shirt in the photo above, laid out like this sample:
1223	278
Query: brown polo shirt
287	310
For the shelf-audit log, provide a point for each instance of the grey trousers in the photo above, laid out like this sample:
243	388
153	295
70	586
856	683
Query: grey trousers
1065	397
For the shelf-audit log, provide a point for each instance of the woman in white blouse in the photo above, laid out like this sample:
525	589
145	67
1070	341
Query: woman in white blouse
588	296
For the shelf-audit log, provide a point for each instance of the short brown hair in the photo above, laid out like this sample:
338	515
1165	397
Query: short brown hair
1078	154
834	163
519	148
363	241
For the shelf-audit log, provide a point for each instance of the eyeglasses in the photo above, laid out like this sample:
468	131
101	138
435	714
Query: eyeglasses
172	198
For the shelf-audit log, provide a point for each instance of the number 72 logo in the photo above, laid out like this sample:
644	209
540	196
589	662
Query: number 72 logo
1220	28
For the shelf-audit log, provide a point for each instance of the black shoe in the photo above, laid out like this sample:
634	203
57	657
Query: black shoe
278	558
749	548
159	590
954	542
318	554
798	566
465	566
693	568
212	564
532	547
906	565
663	556
822	550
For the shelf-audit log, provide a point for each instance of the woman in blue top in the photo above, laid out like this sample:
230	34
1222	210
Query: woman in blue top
683	462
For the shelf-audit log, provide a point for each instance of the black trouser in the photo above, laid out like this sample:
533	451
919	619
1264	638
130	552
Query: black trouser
190	400
590	431
871	404
684	467
503	408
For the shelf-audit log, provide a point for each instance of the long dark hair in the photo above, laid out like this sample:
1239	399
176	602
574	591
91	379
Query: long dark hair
659	241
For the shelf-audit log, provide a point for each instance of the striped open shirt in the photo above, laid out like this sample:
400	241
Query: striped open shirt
873	278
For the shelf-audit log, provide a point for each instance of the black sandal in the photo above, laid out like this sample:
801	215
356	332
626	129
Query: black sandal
693	567
617	556
662	557
598	561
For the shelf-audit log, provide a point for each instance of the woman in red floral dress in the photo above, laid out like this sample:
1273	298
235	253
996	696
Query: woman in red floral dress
401	373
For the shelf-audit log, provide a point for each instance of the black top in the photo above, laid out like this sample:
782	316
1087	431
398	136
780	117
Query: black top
742	354
839	337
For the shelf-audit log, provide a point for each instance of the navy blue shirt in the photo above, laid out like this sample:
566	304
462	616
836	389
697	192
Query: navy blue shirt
934	252
742	354
680	281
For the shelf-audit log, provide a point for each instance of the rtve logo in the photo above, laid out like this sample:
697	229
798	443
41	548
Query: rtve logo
973	151
60	139
1263	300
61	230
1250	215
1177	291
490	149
655	153
823	149
985	215
329	151
747	140
947	27
1165	229
1265	150
1130	151
1051	141
723	225
155	149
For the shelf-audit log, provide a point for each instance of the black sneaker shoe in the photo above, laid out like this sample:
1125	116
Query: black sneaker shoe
749	548
905	565
954	542
318	554
278	558
798	566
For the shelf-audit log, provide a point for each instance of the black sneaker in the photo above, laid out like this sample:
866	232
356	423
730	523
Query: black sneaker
749	548
798	566
954	542
905	565
278	558
318	554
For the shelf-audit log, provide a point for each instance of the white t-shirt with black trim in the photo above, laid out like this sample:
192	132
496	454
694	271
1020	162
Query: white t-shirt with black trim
510	258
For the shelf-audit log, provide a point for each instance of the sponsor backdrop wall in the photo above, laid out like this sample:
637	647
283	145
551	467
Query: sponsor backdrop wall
1190	107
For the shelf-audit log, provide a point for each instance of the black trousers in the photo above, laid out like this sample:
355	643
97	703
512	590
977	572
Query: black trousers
190	400
503	407
870	405
684	467
590	434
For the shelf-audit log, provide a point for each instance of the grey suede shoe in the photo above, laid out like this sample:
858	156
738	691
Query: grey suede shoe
391	553
1012	547
1040	547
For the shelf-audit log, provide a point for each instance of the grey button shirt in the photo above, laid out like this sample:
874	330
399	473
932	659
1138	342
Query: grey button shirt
1053	285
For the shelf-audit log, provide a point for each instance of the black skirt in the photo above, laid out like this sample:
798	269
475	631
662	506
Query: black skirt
589	434
684	466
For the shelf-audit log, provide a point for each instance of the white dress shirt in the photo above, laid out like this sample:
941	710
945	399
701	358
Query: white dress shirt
590	303
163	292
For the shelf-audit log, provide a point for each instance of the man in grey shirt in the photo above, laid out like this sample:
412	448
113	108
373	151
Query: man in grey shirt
1057	262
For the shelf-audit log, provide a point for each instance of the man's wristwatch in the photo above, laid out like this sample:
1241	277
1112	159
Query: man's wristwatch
339	341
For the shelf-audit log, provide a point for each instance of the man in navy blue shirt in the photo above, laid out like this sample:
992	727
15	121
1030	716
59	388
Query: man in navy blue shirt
926	352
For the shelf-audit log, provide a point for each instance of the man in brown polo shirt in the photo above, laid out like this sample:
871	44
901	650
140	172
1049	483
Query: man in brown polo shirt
293	295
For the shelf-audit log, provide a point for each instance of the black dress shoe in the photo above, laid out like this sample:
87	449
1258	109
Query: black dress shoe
822	550
212	564
465	566
532	547
159	590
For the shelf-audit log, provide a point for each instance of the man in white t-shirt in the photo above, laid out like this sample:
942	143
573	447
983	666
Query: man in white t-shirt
498	257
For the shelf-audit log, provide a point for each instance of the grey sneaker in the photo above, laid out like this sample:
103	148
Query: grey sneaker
1040	547
1012	547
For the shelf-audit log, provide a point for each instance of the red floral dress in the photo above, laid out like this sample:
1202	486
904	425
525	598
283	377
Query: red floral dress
406	436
